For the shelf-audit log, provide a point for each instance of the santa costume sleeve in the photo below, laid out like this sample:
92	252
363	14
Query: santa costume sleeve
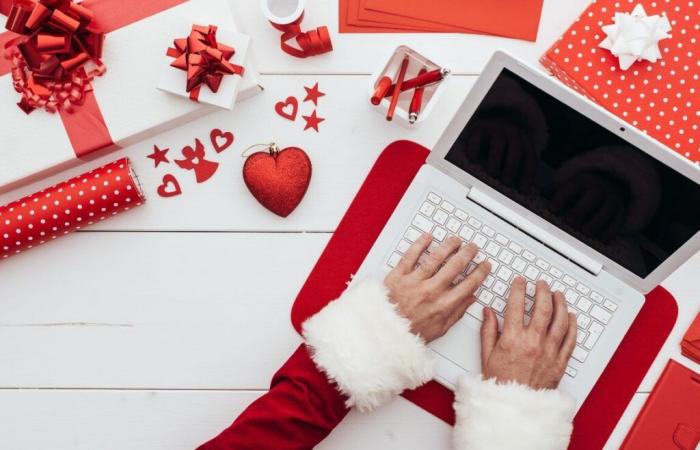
360	352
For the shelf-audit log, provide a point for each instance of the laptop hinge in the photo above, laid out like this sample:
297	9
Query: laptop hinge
536	232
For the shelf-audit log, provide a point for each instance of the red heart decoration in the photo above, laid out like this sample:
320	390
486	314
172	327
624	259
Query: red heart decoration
226	137
281	108
278	179
170	186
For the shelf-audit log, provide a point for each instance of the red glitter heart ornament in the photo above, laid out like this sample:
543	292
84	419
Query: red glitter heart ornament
278	179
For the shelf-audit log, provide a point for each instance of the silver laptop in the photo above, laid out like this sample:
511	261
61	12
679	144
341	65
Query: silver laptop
550	186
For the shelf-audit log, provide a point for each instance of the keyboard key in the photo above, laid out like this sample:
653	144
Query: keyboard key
458	279
480	240
461	215
600	314
433	246
422	223
394	259
439	233
571	297
595	331
546	278
580	336
485	297
470	268
570	371
610	305
476	310
515	248
479	257
583	321
453	224
596	297
489	280
529	303
570	281
556	273
466	233
580	354
494	265
583	289
500	288
440	217
433	197
427	208
504	274
530	289
492	248
501	239
488	231
506	257
529	256
558	287
542	264
519	264
447	206
412	234
499	305
584	304
531	273
473	221
403	246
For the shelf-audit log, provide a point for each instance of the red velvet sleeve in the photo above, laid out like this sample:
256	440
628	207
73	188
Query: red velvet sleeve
298	412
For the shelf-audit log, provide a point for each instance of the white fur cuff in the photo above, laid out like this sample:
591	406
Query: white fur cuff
364	346
510	416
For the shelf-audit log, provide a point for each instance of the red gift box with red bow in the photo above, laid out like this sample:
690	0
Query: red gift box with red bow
660	98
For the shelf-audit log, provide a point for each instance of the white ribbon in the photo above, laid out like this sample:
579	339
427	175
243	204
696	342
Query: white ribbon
635	36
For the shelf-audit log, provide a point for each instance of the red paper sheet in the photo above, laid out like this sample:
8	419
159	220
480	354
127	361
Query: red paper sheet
360	227
508	18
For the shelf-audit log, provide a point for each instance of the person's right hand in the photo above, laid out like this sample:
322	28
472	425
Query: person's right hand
422	288
535	354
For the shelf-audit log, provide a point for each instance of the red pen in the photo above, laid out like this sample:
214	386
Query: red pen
399	82
416	101
427	78
380	92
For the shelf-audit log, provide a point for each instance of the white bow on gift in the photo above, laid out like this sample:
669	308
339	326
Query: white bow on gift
635	37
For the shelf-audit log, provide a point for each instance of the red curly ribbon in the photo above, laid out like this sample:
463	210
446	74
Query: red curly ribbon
48	56
205	60
311	43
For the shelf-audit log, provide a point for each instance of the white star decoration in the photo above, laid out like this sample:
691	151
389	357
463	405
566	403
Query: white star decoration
635	36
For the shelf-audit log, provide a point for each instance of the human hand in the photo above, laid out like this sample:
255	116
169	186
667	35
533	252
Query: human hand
590	203
505	149
533	355
423	291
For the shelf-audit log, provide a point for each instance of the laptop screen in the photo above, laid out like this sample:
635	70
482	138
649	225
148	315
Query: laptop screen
579	176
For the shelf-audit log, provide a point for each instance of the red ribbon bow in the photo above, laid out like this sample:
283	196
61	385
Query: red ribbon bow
205	60
49	56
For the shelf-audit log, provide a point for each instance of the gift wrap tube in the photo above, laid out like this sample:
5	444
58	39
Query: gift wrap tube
68	206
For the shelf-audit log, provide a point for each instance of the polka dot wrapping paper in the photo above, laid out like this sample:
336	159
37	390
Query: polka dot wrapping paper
662	99
68	206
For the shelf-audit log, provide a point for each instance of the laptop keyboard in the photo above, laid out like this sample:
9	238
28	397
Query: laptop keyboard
508	259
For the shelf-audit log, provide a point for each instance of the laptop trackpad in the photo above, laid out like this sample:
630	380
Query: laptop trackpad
462	347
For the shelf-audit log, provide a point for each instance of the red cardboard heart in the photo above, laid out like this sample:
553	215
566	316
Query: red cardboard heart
278	179
220	140
291	104
170	186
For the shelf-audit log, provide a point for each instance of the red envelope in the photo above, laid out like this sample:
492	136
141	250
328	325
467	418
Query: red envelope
690	347
670	418
508	18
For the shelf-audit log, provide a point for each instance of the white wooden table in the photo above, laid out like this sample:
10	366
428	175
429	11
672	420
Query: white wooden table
155	329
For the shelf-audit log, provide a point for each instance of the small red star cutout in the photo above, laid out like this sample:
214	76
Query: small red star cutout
313	94
158	155
312	121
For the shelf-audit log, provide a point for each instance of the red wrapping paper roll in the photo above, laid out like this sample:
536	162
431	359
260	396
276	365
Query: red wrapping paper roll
68	206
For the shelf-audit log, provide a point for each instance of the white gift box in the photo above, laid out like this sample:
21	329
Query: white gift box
131	105
174	80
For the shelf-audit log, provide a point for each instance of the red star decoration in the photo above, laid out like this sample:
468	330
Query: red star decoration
313	94
312	121
158	155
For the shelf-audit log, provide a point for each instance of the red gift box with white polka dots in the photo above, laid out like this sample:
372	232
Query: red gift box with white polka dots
662	99
68	206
